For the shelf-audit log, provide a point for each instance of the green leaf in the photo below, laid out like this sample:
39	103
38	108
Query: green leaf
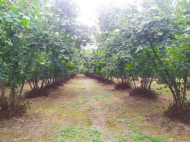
26	17
66	57
8	19
13	8
15	13
27	26
17	5
159	88
160	34
1	2
24	21
9	42
155	7
20	63
16	19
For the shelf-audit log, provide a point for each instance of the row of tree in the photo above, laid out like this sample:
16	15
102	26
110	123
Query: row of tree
148	39
38	40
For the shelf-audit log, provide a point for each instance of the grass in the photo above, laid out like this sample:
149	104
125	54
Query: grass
133	126
146	138
120	138
66	104
3	135
84	97
89	134
122	120
103	96
80	133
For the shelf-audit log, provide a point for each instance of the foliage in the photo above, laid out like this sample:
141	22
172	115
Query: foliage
143	40
38	42
100	78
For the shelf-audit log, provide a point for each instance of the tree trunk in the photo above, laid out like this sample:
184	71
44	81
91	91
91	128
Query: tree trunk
21	91
12	97
42	85
30	85
185	87
133	81
2	98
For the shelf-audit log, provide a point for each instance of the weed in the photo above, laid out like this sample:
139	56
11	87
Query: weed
3	135
54	126
120	138
122	120
108	105
133	126
147	118
76	103
84	97
117	108
102	96
126	109
70	133
90	107
157	139
65	104
83	90
95	115
102	106
143	138
139	137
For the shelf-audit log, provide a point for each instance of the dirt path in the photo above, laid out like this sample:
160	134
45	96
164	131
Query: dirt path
87	110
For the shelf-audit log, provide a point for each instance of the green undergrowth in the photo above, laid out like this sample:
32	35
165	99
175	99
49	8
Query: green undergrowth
88	134
80	133
82	90
101	96
146	138
130	136
3	135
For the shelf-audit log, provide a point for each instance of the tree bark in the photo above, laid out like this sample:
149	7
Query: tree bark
2	99
185	87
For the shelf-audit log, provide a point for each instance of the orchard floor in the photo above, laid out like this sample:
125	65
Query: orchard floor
87	110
